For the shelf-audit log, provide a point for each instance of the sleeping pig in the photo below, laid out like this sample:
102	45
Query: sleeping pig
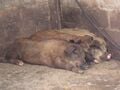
54	53
92	54
84	41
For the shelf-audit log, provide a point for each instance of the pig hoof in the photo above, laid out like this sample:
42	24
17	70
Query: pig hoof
81	72
96	61
109	56
85	67
20	63
77	70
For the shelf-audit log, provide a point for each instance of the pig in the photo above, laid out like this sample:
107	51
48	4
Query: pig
54	53
84	41
97	50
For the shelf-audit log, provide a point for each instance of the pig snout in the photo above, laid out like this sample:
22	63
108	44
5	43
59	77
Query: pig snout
109	56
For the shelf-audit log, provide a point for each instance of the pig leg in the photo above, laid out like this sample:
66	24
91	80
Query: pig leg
85	66
77	70
16	61
68	65
74	66
13	61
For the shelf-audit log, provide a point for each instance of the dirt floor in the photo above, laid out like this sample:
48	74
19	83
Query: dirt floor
104	76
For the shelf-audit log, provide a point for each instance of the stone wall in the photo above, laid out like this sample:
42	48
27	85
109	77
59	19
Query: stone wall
105	12
21	18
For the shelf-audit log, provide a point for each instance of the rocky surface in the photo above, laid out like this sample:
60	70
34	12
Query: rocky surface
104	76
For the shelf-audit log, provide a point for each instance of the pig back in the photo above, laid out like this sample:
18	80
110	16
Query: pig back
43	52
53	34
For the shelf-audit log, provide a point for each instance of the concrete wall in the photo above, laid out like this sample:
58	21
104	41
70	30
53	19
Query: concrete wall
106	13
20	18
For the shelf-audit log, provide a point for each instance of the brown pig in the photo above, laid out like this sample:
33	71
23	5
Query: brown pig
84	41
54	53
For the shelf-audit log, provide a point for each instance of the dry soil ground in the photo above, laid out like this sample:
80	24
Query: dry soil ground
104	76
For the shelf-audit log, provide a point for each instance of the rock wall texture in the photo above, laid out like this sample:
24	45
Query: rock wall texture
106	13
19	18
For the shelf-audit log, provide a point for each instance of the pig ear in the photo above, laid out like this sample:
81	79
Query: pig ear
75	41
71	41
88	38
70	50
95	44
